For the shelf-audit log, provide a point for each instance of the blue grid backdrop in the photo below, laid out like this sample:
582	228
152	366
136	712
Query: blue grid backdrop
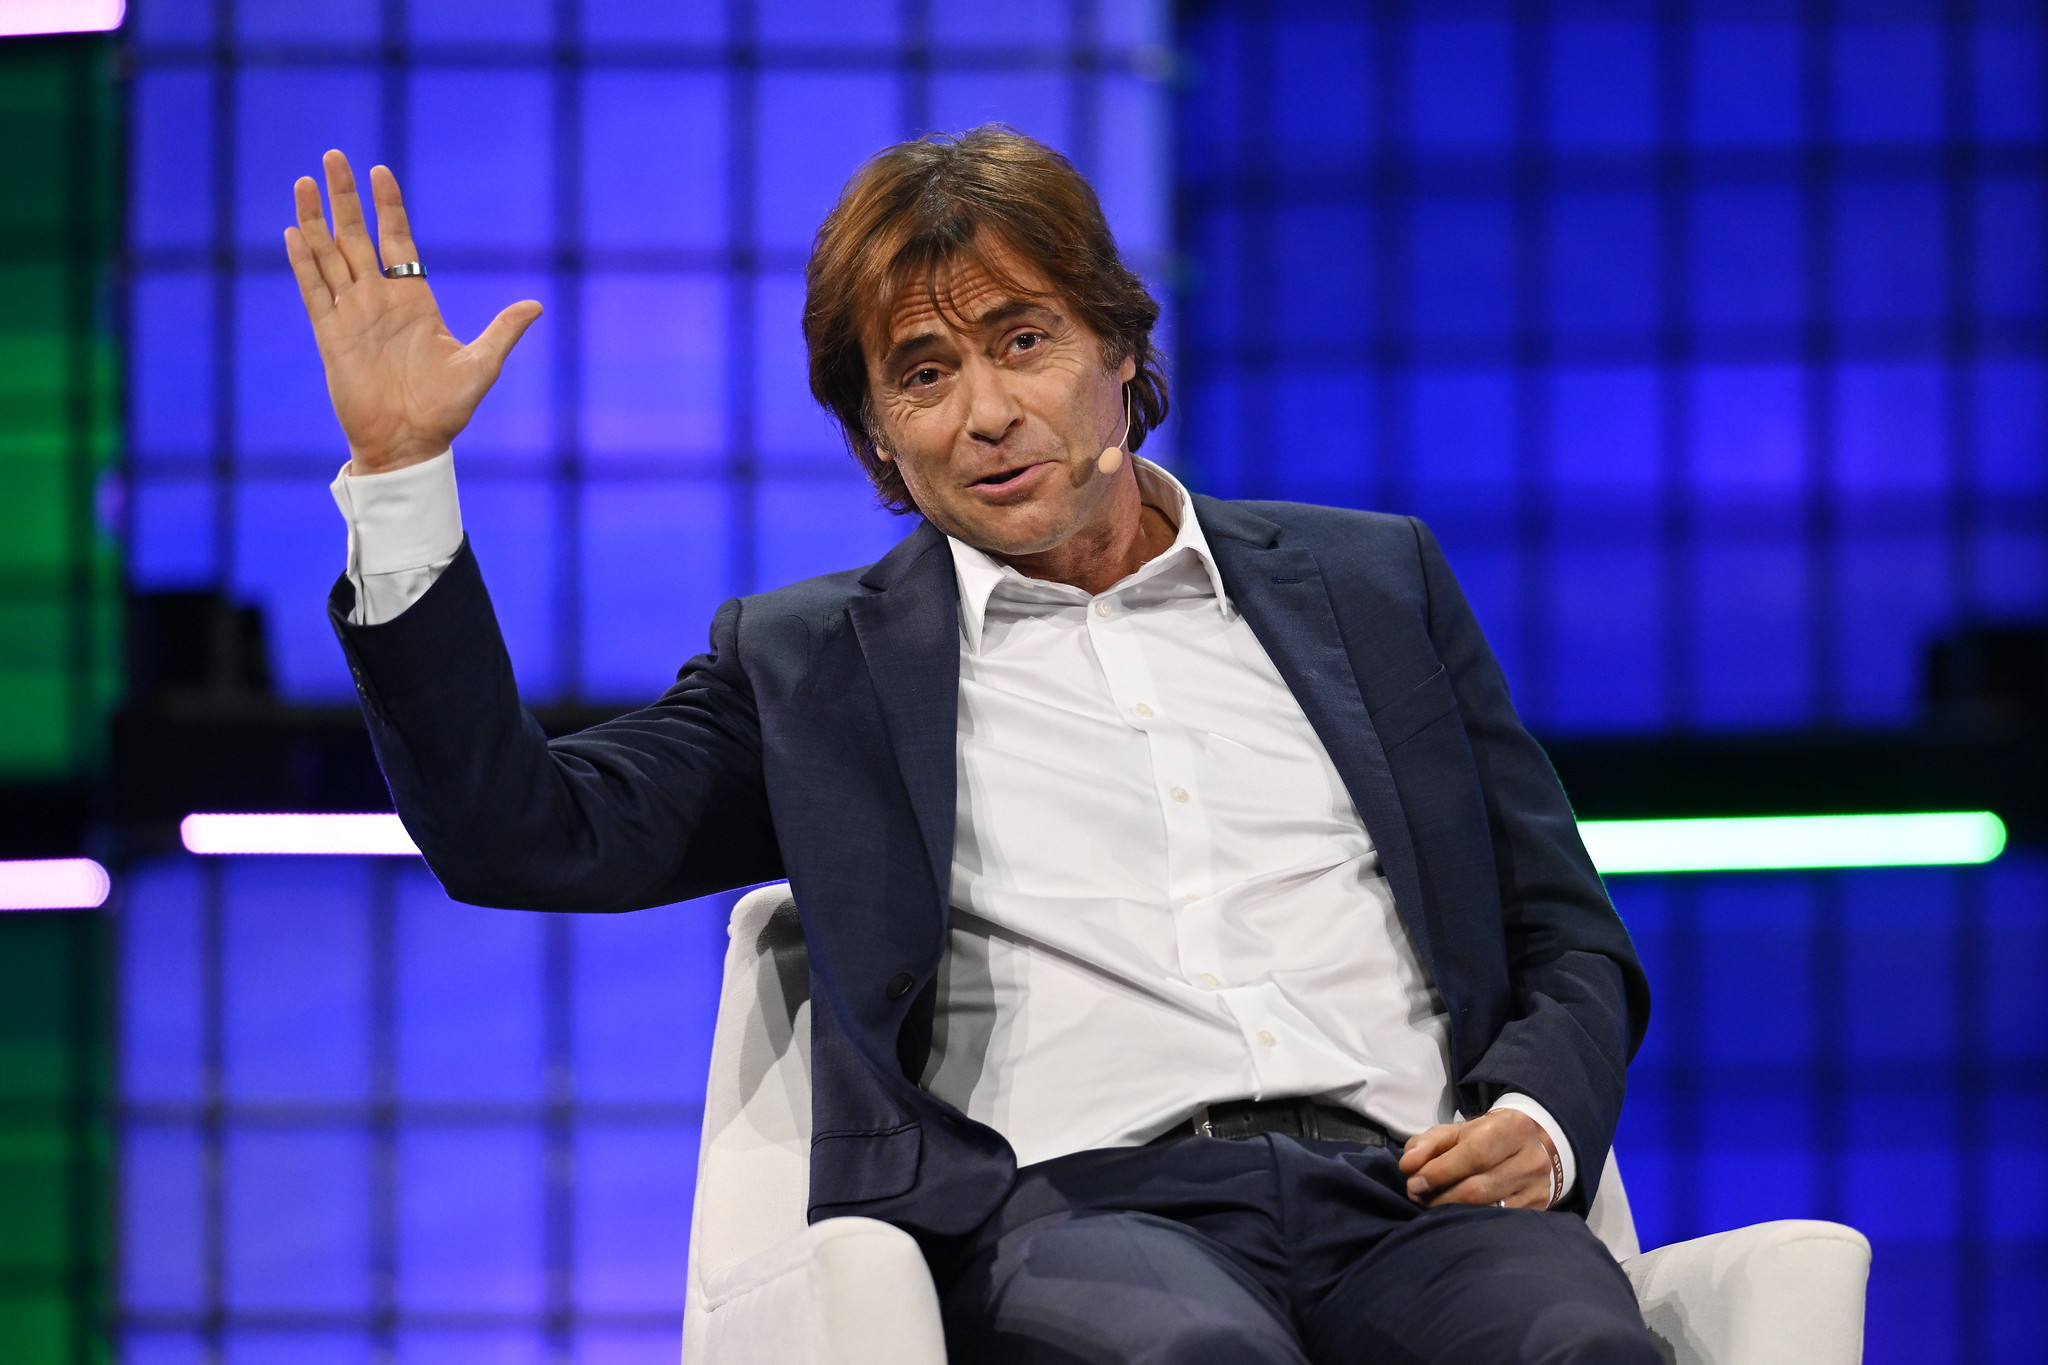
1710	342
1708	337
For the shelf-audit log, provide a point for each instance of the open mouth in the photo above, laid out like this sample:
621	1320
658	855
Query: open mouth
1004	477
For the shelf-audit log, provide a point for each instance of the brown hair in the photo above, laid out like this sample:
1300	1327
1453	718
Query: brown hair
915	209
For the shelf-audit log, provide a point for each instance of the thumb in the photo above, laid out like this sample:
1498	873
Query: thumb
497	340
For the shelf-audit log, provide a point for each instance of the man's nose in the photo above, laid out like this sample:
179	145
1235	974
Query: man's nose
992	410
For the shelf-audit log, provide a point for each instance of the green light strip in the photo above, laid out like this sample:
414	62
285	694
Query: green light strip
1778	842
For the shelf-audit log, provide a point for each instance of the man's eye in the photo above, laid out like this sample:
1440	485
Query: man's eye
1027	341
923	377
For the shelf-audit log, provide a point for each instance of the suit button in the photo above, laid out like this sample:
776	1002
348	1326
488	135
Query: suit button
899	985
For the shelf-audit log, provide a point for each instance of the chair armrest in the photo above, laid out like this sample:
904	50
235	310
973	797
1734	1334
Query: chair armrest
846	1291
1783	1293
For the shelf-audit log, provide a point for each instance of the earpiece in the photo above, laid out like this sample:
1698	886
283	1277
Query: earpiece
1112	458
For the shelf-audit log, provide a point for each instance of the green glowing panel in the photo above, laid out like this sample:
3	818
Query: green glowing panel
1781	842
59	576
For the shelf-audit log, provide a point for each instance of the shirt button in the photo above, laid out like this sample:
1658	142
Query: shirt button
899	985
1209	979
1142	709
1266	1038
1102	607
1179	793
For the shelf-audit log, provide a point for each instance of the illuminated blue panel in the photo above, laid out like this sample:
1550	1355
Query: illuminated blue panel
822	126
655	355
471	1218
295	979
296	1218
481	182
277	395
466	982
163	1025
795	434
1032	102
1603	88
286	119
655	158
645	993
335	21
513	524
633	1214
172	163
819	527
480	21
163	1218
652	21
283	563
654	571
170	416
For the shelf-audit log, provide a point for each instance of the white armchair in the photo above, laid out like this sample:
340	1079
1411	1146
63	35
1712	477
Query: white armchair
767	1289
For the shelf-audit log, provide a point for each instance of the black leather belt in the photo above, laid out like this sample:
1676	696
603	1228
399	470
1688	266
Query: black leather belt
1291	1118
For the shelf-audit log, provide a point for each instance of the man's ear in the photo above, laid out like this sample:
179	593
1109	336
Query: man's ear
1127	371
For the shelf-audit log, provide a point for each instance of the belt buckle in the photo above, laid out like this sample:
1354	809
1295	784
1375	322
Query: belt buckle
1201	1124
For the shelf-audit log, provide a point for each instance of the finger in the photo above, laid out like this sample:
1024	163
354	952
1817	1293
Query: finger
313	226
1520	1175
394	232
1461	1162
350	233
319	299
1522	1182
498	339
1426	1145
1480	1190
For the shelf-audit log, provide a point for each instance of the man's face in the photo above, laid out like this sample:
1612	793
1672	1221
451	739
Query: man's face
997	407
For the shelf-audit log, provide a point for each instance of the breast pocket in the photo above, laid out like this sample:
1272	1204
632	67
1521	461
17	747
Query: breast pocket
1422	706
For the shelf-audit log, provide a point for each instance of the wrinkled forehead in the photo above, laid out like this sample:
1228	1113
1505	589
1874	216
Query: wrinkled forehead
956	294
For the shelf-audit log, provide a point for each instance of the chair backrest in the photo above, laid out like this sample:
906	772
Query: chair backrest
753	1165
753	1160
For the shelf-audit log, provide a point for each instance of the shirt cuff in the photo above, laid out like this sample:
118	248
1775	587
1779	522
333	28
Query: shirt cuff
406	519
1516	1100
404	528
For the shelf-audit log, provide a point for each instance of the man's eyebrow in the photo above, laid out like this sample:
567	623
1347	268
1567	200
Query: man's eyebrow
1001	313
905	348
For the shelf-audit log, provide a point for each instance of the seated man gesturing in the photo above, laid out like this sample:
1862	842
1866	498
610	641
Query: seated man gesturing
1175	872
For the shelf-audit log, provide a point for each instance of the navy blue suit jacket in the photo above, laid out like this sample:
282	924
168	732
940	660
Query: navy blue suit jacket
816	741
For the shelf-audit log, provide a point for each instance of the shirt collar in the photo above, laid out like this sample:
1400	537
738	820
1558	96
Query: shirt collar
978	576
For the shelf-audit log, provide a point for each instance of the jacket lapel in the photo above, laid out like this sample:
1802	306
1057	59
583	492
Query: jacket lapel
909	631
1280	590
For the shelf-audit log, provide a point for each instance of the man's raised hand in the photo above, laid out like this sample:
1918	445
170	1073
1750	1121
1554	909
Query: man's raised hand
403	386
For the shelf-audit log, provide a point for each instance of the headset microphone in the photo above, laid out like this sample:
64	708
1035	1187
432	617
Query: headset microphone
1112	457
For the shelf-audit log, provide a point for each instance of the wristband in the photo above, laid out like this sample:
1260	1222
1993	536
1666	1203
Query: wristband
1556	1177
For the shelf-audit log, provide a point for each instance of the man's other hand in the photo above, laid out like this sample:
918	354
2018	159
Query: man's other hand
1504	1155
402	385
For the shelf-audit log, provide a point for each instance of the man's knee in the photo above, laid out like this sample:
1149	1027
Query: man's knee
1112	1289
1583	1337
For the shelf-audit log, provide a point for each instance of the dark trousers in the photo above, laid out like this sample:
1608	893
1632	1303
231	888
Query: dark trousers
1273	1249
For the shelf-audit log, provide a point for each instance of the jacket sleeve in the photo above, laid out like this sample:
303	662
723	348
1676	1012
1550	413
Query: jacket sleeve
1580	999
656	806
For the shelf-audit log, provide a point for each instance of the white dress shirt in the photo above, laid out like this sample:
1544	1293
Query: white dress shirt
1163	896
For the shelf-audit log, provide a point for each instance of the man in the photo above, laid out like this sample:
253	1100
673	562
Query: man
1186	854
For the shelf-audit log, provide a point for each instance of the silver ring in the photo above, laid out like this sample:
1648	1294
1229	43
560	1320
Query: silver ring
405	270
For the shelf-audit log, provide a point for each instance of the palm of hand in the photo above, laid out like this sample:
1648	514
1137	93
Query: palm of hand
403	386
400	380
